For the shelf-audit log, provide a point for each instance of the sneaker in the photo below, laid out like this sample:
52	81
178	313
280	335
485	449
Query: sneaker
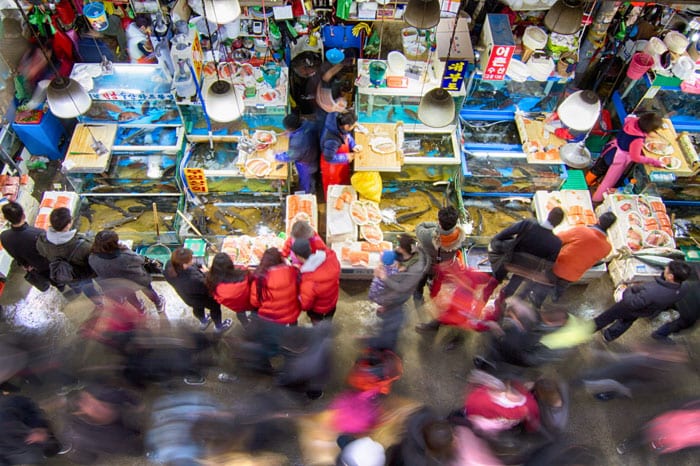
225	325
194	380
160	307
662	339
605	396
623	447
65	449
314	394
225	377
607	336
429	327
205	323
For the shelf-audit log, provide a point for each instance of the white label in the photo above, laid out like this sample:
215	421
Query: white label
651	93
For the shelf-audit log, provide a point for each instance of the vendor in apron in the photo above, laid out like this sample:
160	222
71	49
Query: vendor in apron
338	148
625	150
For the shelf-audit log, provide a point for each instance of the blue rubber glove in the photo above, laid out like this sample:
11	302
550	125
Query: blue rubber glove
282	157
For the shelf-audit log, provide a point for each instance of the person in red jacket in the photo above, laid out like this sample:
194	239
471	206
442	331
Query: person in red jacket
320	280
274	290
301	229
230	285
493	406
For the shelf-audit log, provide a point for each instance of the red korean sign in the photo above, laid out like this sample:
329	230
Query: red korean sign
499	60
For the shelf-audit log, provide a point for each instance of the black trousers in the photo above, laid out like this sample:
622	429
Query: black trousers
687	319
622	315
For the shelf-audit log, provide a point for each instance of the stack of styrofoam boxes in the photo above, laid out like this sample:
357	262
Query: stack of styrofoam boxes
631	269
53	200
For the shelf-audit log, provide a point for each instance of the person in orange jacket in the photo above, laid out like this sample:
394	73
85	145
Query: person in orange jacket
275	289
320	280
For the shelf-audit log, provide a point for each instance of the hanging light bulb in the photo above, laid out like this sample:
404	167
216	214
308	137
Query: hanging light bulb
565	17
67	98
223	11
422	14
224	104
436	108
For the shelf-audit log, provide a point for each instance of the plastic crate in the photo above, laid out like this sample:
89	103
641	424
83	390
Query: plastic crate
575	180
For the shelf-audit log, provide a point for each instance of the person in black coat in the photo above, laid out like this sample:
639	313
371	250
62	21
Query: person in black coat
189	281
533	239
25	434
20	242
688	309
644	300
428	441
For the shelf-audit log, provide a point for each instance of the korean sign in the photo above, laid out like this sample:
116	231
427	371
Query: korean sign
196	180
453	76
499	59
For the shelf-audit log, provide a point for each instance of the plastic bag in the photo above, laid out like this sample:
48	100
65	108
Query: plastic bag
368	185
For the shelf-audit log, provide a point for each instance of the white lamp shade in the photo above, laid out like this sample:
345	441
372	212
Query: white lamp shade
436	108
580	110
67	98
564	17
224	104
222	11
422	14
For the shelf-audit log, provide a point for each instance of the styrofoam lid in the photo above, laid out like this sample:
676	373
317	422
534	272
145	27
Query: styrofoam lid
517	71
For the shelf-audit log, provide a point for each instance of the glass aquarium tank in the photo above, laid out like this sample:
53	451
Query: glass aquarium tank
491	135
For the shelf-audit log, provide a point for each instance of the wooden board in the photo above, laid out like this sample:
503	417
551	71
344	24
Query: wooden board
280	170
533	137
668	132
369	160
81	158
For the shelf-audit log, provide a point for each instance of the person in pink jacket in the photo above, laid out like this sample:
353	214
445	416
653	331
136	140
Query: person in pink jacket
320	280
275	289
627	149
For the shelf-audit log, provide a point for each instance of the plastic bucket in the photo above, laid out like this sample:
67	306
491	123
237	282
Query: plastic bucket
377	70
96	16
639	64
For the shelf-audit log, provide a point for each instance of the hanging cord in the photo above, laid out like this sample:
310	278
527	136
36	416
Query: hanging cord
211	41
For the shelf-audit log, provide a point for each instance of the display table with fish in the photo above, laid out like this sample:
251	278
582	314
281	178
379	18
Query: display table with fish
539	144
663	144
381	147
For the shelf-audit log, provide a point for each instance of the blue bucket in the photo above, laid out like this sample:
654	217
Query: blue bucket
96	16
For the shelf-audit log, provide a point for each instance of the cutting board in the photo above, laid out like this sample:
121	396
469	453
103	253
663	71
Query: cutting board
370	160
81	157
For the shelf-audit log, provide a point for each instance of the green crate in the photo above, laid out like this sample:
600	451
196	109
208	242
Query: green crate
692	253
575	180
197	245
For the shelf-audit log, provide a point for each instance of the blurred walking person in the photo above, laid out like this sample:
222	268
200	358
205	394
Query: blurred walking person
25	434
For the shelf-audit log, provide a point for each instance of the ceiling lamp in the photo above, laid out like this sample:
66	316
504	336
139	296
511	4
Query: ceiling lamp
223	11
222	102
422	14
565	17
436	108
67	98
580	110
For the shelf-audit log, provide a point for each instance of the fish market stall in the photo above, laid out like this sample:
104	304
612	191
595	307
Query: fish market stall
17	189
123	158
236	187
642	237
680	138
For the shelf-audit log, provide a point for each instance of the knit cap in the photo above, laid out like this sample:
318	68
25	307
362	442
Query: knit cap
388	257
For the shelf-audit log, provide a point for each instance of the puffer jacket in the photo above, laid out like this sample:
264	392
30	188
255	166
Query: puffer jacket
234	295
652	297
320	282
124	264
278	299
332	138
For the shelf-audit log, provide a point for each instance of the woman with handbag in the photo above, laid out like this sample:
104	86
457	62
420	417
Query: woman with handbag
114	264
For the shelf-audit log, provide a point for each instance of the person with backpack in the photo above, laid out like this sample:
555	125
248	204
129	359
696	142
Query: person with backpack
116	264
67	252
20	242
622	152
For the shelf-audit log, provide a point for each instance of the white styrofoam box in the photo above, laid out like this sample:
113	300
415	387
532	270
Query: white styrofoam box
49	201
339	224
631	270
544	201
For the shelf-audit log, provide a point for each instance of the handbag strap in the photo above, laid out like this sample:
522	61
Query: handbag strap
77	245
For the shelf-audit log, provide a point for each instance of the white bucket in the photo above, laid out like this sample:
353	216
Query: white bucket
397	63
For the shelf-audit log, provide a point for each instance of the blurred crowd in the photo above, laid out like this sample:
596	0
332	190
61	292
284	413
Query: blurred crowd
150	393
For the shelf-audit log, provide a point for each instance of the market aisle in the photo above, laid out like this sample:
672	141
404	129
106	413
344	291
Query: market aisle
431	375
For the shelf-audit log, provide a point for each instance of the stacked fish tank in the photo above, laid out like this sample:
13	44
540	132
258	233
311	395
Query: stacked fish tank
140	182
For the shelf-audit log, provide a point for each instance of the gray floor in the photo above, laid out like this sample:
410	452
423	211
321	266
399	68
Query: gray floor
432	376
